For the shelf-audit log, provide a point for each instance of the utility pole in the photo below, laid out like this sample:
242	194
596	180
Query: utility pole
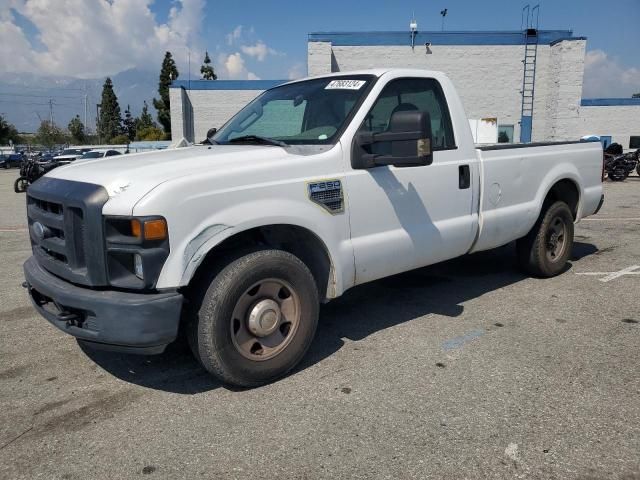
98	106
51	112
86	127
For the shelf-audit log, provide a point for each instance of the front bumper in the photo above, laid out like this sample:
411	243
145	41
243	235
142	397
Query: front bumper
142	323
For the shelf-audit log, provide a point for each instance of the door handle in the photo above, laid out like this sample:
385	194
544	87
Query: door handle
464	177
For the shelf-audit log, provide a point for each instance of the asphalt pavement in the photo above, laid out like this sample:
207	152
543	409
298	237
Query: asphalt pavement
466	369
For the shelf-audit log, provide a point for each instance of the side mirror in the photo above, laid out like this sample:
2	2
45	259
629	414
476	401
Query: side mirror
210	133
407	143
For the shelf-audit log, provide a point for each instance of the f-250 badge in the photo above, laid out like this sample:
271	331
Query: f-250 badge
327	194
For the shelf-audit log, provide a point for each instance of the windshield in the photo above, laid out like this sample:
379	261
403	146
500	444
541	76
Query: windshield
92	155
308	112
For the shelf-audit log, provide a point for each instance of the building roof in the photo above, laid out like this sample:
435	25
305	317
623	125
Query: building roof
515	37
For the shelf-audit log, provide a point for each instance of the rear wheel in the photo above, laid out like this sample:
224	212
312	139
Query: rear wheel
545	250
256	318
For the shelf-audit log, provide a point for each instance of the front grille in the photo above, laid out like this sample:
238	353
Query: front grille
65	226
49	217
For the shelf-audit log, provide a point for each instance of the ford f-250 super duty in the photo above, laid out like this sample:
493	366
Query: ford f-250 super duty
314	187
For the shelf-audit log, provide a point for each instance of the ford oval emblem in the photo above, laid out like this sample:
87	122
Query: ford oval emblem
39	231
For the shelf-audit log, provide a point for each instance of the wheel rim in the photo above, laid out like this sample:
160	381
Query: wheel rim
556	239
265	319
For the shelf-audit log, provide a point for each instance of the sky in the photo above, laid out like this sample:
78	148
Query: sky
267	39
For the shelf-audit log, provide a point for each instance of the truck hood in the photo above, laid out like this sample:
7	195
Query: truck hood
127	178
146	170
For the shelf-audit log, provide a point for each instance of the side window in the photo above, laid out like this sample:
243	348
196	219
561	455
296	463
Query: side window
422	94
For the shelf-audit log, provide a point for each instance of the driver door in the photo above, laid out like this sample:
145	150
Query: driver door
407	217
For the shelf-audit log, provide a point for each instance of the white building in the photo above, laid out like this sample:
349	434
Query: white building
497	75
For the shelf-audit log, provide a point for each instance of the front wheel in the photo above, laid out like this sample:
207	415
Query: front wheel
255	319
545	250
20	185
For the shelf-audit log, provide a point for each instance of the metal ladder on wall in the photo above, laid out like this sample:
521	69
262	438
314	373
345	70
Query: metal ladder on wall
529	26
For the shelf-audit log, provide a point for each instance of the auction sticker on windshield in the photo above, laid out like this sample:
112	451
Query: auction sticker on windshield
345	84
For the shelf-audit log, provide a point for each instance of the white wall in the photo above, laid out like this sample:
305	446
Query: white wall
488	78
211	108
618	121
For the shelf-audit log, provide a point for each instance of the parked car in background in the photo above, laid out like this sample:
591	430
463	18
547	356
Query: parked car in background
70	154
99	153
12	160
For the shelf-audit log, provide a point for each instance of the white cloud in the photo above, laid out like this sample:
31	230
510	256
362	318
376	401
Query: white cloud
234	64
235	35
297	70
606	77
233	68
260	50
93	38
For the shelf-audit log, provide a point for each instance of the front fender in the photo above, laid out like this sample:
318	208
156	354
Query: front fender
187	255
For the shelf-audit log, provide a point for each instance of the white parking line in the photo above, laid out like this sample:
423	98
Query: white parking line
608	276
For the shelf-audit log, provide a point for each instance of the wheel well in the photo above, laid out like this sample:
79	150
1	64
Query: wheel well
564	191
296	240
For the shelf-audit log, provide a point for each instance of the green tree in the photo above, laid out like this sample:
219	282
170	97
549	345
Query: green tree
49	134
150	134
168	73
109	123
76	129
207	69
145	120
636	95
8	132
129	124
121	139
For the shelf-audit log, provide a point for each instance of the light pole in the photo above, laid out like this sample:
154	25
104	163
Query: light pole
444	14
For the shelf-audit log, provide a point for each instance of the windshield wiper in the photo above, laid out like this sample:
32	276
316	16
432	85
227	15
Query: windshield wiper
258	139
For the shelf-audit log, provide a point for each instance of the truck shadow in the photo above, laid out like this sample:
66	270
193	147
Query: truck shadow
440	289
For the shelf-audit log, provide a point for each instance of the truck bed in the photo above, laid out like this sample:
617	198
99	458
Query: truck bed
515	179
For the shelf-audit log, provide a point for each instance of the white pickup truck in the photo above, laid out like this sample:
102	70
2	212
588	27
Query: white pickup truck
314	187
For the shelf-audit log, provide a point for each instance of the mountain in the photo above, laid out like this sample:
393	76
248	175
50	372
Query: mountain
24	97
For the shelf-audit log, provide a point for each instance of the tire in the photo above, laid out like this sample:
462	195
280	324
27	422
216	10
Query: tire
271	288
544	252
638	169
20	185
617	174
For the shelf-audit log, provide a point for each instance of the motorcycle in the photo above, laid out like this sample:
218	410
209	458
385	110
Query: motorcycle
619	165
30	171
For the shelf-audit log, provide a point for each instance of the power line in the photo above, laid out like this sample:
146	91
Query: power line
49	88
39	96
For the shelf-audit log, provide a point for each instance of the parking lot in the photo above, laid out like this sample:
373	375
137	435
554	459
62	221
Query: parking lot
467	369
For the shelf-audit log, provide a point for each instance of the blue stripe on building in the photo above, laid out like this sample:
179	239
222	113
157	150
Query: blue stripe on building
351	39
609	102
